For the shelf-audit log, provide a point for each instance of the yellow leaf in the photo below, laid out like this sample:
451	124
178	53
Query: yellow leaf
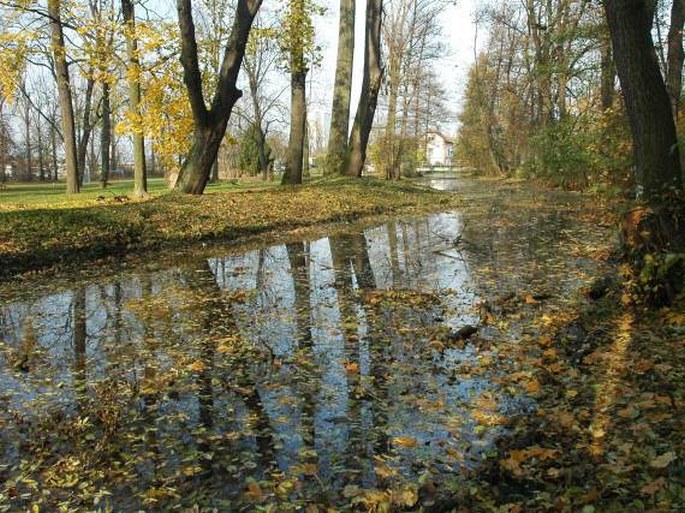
664	460
406	442
597	432
383	471
352	368
533	386
197	366
406	497
309	469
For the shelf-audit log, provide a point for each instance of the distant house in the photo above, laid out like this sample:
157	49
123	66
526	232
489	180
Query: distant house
439	149
9	171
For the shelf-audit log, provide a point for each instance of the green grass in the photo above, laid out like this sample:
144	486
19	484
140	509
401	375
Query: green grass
27	196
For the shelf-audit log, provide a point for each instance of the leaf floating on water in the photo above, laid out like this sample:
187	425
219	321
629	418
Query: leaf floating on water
197	366
406	442
254	490
406	497
351	491
352	368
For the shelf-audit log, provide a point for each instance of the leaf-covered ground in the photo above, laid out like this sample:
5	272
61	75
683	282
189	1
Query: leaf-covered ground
35	238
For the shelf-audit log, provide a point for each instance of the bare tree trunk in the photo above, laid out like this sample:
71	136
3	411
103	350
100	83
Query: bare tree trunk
298	105
28	156
342	92
608	73
371	84
53	151
210	124
82	146
105	135
41	159
64	92
657	158
305	147
139	170
674	74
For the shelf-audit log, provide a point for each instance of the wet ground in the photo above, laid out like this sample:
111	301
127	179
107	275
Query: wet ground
312	373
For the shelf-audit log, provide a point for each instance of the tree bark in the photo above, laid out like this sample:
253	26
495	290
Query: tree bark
105	135
41	153
53	153
210	124
134	91
294	155
657	160
371	84
87	126
305	146
674	74
608	73
64	93
342	90
28	157
298	94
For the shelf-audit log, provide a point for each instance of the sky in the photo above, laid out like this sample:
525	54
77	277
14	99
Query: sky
458	30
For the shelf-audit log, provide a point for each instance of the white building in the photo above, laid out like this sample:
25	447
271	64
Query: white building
439	149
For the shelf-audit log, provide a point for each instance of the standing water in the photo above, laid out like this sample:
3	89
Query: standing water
313	372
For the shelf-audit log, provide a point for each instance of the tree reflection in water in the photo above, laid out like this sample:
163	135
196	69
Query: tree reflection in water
287	374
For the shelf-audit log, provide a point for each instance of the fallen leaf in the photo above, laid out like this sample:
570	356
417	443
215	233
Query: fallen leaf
664	460
653	487
406	442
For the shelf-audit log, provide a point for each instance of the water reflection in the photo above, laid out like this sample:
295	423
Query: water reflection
283	374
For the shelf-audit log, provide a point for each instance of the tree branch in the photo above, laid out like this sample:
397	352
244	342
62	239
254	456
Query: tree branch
189	59
226	90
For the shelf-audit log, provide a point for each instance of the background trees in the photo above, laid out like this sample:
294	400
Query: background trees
539	99
533	94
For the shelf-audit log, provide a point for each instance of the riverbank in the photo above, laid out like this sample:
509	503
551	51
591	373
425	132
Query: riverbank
33	239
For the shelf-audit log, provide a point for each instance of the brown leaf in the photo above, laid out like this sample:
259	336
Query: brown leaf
653	487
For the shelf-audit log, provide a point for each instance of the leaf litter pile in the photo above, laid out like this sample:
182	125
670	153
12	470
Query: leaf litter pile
441	362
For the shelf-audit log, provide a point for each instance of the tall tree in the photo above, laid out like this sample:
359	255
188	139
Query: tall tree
260	60
86	125
674	71
371	85
134	91
657	160
210	123
342	90
298	41
64	92
105	135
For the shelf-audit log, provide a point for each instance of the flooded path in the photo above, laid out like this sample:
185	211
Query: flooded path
307	374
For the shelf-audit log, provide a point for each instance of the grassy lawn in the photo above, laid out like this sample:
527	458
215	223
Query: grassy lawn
39	229
23	196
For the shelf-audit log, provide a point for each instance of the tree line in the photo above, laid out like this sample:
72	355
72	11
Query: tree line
183	84
541	98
